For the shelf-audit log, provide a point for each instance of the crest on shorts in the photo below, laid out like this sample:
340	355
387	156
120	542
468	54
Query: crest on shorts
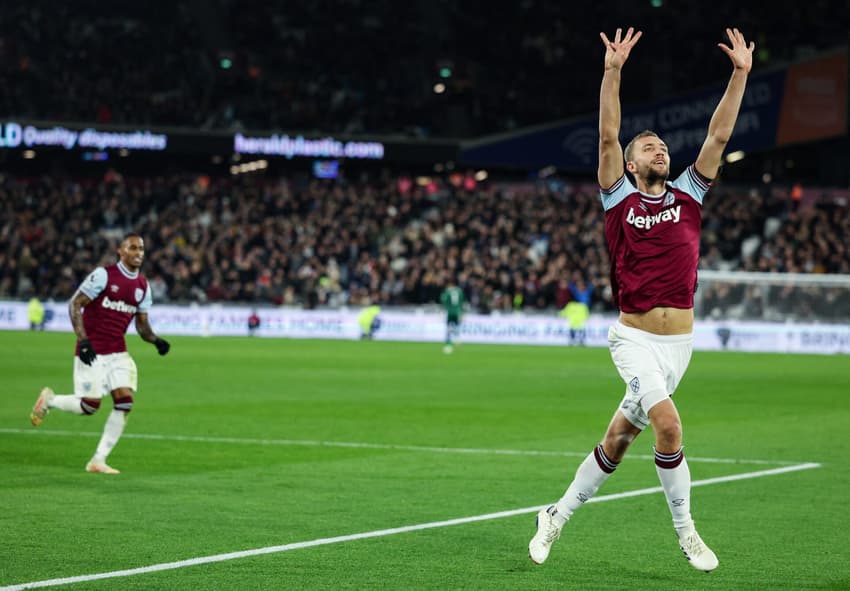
138	293
634	385
87	386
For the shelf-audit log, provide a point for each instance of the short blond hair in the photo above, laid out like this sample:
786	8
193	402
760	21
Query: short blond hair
631	145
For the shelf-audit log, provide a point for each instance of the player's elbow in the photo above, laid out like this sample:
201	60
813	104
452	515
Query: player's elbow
720	136
608	136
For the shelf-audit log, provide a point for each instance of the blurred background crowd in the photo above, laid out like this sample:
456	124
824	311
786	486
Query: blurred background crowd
387	240
360	66
436	69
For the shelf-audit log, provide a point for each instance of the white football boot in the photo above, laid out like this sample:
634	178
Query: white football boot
98	467
548	530
698	554
40	410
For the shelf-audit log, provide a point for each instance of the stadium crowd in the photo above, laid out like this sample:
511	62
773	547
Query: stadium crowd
353	66
388	240
769	233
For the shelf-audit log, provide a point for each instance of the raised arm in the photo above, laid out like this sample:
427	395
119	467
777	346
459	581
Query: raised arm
723	121
610	151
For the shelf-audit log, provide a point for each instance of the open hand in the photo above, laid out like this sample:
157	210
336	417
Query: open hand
617	51
740	54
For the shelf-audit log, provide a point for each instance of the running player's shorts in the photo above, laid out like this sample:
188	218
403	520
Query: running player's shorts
651	365
105	374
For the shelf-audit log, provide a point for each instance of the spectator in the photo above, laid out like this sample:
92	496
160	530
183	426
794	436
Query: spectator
294	242
253	323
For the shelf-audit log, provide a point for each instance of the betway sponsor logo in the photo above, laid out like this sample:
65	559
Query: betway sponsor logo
117	306
647	221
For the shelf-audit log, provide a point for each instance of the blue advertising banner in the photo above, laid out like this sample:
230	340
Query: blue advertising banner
682	123
23	135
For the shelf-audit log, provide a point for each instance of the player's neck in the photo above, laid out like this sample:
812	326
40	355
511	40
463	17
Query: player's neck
656	187
127	270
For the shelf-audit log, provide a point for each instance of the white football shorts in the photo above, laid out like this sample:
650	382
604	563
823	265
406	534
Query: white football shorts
651	365
105	374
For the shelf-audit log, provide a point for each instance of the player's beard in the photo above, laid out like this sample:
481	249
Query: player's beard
653	176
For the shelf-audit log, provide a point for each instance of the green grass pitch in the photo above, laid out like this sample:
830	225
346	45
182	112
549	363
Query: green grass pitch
234	444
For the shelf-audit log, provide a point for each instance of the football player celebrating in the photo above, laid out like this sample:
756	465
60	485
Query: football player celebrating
101	310
652	227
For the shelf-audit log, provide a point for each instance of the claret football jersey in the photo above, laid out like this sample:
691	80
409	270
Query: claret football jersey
117	295
653	241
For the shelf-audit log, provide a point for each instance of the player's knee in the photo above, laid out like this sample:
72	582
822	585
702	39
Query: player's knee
668	432
665	421
124	403
89	405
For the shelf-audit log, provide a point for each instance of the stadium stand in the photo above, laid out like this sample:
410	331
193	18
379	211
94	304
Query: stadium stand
305	242
372	66
284	238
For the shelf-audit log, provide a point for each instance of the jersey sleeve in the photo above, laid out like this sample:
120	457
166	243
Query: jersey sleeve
94	283
147	301
614	194
692	183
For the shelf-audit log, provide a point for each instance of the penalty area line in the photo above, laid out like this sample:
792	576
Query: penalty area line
377	533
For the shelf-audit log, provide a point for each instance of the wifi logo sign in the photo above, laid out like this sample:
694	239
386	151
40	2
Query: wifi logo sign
582	143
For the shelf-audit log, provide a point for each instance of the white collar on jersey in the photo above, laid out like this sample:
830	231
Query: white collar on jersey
655	199
127	272
650	196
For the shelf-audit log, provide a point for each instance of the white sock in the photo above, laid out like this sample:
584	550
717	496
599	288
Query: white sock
67	402
675	477
593	471
112	431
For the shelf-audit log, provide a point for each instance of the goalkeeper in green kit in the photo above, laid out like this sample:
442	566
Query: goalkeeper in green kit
452	301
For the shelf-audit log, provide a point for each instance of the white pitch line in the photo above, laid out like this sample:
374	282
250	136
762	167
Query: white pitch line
375	534
389	446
